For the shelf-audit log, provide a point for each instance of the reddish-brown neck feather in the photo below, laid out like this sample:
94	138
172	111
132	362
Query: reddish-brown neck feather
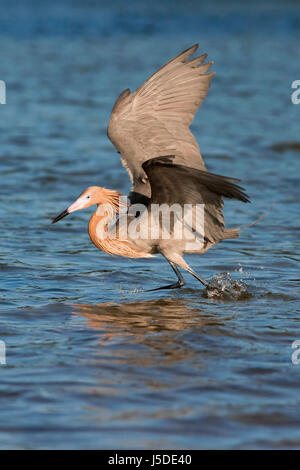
113	246
113	198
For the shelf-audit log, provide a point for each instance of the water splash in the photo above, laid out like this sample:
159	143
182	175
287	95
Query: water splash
223	287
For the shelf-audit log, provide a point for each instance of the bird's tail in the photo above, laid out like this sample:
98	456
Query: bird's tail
234	232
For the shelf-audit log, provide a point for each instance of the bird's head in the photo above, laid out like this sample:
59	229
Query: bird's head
89	197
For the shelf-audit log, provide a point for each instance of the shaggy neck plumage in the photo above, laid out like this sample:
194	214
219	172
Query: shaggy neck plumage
108	207
112	200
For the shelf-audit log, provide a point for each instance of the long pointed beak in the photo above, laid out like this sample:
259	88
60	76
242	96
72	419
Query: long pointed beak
60	216
80	203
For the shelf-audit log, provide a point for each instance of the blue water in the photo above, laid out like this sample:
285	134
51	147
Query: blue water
93	360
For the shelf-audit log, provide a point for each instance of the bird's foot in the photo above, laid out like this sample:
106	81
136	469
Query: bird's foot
176	285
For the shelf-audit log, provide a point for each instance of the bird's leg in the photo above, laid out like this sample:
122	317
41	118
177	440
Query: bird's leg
179	283
196	276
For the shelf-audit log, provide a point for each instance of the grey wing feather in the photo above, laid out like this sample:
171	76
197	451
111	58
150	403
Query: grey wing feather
176	184
155	119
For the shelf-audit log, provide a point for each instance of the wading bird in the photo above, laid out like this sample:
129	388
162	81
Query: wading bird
150	129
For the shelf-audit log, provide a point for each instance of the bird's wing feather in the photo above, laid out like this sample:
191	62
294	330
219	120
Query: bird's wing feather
176	184
155	119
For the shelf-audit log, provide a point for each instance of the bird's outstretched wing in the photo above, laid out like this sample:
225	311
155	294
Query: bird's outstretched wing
177	184
155	119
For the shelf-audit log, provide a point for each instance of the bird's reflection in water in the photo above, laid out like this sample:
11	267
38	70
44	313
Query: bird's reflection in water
157	325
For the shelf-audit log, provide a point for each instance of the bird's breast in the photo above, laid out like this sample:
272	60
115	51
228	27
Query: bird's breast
109	242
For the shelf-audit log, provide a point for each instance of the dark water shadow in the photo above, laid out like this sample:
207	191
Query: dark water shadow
146	317
158	325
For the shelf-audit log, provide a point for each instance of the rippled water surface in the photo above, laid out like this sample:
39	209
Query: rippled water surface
93	359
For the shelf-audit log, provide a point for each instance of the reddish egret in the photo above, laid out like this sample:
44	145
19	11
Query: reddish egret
150	129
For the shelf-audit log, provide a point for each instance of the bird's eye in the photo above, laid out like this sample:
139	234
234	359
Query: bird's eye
88	197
